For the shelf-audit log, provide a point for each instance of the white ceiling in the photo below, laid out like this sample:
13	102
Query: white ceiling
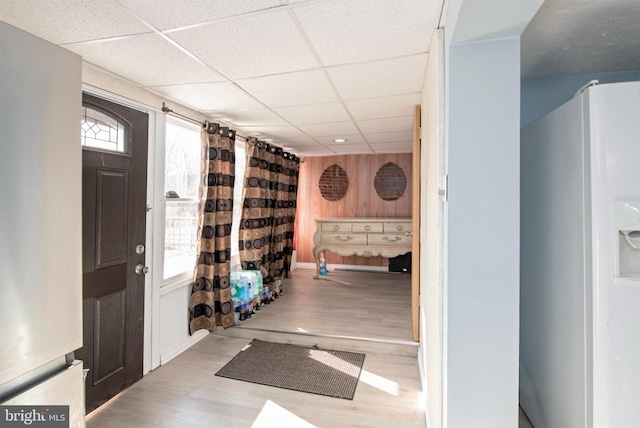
298	73
582	36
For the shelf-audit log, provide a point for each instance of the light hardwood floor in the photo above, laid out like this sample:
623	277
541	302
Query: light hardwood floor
361	311
356	304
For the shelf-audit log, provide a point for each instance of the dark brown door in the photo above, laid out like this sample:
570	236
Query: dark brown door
114	183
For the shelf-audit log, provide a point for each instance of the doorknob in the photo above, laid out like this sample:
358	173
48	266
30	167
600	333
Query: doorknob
141	269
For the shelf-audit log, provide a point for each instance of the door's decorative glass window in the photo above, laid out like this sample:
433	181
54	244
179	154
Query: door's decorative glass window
102	131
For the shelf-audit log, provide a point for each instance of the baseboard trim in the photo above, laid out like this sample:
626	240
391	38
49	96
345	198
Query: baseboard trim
330	267
169	355
331	336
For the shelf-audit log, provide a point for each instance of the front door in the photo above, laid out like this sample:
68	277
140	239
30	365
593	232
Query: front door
114	183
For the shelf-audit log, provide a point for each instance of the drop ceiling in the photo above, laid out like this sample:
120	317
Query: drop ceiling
298	73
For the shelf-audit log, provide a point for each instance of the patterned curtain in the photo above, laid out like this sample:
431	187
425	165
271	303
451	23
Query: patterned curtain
268	211
210	303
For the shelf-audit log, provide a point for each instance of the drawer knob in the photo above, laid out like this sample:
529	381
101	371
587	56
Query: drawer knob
399	228
367	228
336	227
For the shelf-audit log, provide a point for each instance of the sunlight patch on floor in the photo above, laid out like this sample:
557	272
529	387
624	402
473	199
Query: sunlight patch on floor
271	413
382	383
372	379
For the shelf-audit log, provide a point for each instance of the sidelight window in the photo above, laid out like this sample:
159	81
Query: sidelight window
181	182
181	186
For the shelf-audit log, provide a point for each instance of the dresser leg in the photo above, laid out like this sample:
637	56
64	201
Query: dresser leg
316	257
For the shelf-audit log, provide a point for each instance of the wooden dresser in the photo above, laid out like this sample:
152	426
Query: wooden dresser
386	237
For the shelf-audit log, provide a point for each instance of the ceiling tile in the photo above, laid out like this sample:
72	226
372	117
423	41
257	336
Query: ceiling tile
334	130
188	12
258	117
68	21
348	31
389	137
315	151
147	59
269	132
381	78
254	46
392	148
351	139
210	96
294	145
297	142
391	124
290	89
375	108
313	114
350	148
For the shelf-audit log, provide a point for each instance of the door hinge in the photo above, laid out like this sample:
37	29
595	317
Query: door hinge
443	192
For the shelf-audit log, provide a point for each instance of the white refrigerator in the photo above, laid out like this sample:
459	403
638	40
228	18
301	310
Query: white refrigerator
580	262
40	225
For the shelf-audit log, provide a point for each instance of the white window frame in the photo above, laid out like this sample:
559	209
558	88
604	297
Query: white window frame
187	275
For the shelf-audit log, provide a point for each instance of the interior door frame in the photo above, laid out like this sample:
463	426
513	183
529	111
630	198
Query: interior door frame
415	214
151	354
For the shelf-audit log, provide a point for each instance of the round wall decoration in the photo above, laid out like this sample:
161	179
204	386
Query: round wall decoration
333	183
390	182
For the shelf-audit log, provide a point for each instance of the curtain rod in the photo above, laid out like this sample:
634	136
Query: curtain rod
213	128
210	127
166	109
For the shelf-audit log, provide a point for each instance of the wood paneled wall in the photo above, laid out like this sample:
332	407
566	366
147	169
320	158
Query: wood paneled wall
361	200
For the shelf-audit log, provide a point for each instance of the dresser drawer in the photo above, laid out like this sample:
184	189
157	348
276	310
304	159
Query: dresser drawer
344	238
397	227
336	227
367	227
389	240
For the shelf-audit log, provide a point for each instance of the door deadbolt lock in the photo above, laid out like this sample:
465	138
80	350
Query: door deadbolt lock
141	269
140	249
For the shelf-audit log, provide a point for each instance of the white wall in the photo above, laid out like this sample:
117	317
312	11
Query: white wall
481	300
483	234
174	322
